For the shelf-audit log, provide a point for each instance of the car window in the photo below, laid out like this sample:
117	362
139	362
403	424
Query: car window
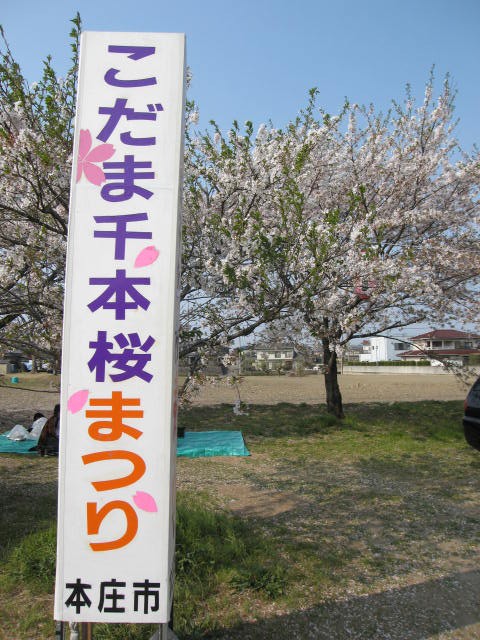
474	394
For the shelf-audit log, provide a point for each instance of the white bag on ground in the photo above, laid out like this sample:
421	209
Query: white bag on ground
18	433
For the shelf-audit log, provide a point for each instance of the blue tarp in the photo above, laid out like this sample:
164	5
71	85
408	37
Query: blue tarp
195	444
16	446
199	444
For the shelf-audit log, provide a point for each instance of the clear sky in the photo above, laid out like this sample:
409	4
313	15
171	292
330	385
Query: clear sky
256	59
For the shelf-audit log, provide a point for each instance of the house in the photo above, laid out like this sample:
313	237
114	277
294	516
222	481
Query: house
382	348
353	352
274	357
210	363
6	366
12	362
449	345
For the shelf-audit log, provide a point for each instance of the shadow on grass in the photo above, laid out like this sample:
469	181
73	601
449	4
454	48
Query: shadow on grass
25	507
263	420
415	612
365	508
425	419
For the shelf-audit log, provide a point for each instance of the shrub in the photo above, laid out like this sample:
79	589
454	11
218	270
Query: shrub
389	363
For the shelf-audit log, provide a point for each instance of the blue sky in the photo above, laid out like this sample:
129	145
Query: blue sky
257	59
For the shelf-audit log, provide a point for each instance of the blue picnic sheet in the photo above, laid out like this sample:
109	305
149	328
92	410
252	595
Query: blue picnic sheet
200	444
195	444
16	446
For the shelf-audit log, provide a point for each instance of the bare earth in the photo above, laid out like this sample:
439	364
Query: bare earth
18	405
360	387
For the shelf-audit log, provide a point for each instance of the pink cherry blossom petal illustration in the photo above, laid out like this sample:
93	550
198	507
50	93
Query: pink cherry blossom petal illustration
84	144
100	153
77	401
93	173
146	256
145	501
87	157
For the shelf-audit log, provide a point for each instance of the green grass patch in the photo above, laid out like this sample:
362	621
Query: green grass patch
32	561
429	419
391	491
36	381
216	553
124	631
271	580
262	420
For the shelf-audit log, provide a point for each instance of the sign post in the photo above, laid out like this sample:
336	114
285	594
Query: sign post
116	517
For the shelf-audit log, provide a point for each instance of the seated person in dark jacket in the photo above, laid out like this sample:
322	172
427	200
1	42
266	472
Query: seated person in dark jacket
48	440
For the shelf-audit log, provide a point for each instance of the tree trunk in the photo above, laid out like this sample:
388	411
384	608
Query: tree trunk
334	397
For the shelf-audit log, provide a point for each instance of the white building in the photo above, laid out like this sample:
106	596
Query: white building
380	349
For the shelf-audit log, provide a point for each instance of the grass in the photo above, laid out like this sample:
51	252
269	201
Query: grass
34	381
321	511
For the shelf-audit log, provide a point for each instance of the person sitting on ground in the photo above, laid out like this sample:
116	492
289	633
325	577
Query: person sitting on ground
48	441
19	432
38	423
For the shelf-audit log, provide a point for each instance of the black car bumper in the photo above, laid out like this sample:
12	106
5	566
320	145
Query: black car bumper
471	429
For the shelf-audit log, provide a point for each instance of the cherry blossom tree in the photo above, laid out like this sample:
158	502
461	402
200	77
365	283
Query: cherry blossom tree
367	222
399	200
353	224
239	256
376	217
245	233
35	160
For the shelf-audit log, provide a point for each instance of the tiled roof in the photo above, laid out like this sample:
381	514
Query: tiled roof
446	334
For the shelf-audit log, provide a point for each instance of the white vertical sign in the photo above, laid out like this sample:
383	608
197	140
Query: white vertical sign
116	519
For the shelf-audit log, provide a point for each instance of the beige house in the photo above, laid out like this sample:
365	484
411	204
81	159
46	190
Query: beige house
448	345
274	357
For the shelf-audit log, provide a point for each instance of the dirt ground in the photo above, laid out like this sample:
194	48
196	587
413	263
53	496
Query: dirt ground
18	405
359	387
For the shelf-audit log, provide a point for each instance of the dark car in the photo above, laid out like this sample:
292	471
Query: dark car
471	418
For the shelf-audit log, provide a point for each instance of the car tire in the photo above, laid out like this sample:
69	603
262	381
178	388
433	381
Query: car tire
472	435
